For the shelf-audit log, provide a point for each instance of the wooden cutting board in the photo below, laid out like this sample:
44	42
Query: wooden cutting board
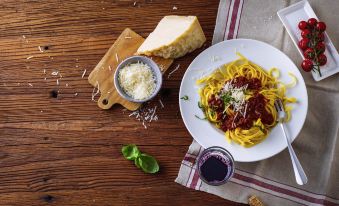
102	76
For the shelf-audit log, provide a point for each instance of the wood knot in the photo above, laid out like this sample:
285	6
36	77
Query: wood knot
48	198
53	94
45	179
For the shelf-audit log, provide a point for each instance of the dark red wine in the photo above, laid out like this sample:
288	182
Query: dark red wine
216	166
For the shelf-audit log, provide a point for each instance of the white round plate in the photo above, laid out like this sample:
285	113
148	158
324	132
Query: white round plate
267	57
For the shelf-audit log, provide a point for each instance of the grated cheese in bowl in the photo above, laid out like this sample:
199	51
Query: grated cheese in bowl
138	79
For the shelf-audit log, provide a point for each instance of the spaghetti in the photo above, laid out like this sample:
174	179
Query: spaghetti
239	99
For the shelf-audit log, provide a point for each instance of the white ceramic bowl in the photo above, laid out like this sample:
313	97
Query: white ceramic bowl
156	72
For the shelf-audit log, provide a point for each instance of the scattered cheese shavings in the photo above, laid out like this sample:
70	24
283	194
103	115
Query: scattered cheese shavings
30	57
133	113
215	58
145	115
95	93
40	49
57	81
66	84
76	94
23	36
31	85
45	78
236	115
109	67
175	8
135	3
83	74
174	70
55	73
117	57
245	110
44	71
128	37
155	109
162	105
161	67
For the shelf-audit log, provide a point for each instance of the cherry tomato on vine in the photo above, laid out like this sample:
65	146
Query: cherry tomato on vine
306	33
320	37
322	59
304	43
320	47
302	25
312	22
321	26
307	65
309	53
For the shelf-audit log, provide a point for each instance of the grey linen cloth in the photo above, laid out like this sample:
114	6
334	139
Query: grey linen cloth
317	145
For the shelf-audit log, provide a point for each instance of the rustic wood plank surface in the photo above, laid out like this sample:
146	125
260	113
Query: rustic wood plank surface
60	148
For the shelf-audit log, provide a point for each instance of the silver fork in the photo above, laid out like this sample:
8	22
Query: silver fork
299	173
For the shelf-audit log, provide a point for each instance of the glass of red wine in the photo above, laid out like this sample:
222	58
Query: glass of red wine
215	166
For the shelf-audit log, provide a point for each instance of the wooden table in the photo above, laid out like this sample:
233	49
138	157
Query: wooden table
60	148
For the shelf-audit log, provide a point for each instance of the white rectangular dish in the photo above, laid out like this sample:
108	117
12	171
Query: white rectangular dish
290	17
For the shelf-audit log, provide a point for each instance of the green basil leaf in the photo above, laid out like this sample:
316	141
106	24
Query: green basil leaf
148	163
185	98
137	162
130	152
201	106
227	98
200	117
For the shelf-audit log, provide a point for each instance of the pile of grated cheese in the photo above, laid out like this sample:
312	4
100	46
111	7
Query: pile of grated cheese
238	97
137	80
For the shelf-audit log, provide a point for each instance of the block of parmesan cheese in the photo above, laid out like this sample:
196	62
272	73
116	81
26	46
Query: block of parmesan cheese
174	37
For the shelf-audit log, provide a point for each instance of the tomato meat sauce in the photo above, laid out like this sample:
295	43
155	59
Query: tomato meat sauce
255	107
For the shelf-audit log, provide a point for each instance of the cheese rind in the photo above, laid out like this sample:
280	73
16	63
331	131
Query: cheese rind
174	37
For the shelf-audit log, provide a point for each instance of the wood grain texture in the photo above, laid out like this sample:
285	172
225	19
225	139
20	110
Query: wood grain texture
56	146
125	46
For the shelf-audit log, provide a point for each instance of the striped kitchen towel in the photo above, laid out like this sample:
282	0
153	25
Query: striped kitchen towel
317	145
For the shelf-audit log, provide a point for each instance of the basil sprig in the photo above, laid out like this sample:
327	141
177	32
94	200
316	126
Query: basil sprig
186	98
144	161
227	98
